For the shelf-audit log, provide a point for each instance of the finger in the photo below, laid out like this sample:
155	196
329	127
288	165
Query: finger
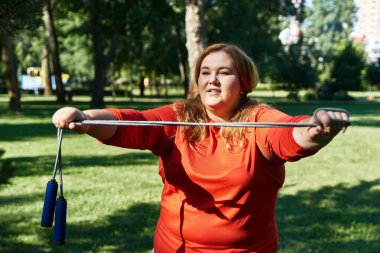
338	116
63	124
331	116
341	119
338	113
345	117
337	123
324	119
314	131
73	125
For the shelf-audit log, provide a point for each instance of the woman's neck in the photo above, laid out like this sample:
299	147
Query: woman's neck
218	117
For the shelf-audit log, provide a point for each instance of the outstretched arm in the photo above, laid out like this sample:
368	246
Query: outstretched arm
330	123
65	118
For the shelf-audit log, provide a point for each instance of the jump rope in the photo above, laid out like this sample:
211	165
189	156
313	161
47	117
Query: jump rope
58	206
52	203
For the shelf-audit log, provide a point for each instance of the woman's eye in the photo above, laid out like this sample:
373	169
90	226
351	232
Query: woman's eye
205	73
224	73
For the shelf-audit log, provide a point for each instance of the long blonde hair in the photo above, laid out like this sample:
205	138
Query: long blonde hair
193	110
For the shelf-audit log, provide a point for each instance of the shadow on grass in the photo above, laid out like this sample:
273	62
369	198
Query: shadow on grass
19	199
44	165
354	108
129	230
333	219
338	219
45	109
21	132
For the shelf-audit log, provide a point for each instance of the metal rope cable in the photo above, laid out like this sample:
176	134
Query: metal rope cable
177	123
216	124
58	156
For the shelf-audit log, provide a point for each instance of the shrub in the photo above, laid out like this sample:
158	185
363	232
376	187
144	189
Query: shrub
310	95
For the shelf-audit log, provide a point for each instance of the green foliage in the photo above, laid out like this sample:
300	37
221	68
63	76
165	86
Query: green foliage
6	170
158	22
343	73
348	63
298	69
373	73
253	25
152	42
28	49
309	95
18	15
72	22
328	22
146	41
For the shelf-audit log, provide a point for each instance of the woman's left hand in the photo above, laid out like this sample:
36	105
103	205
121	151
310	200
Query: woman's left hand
330	122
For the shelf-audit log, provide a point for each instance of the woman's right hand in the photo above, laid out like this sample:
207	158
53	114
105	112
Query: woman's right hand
66	116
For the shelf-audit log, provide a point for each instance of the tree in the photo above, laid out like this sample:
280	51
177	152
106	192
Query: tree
131	38
195	39
45	69
7	55
73	23
344	71
373	73
45	63
252	25
181	57
156	53
54	49
327	23
19	15
13	20
105	46
297	69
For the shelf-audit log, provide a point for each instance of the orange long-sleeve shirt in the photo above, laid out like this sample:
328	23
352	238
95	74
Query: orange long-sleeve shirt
213	199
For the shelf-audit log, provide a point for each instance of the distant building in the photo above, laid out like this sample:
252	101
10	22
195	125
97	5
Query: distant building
367	27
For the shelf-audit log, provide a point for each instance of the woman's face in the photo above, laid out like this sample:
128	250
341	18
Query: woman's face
219	85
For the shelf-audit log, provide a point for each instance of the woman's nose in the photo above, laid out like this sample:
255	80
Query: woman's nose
213	79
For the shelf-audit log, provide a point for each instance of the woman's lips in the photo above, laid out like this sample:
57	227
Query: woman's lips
214	91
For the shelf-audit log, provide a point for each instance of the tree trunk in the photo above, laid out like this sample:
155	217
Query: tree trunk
53	45
11	81
102	61
194	39
45	69
100	73
182	69
182	62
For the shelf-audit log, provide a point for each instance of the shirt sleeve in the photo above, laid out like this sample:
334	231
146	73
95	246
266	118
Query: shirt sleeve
158	139
278	144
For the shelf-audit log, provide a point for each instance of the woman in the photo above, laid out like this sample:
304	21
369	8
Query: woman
220	184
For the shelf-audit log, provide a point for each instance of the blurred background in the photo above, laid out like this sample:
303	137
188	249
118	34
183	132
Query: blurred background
324	48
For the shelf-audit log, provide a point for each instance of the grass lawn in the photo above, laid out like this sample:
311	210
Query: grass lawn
330	202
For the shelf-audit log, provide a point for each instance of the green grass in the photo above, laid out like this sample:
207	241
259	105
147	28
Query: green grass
330	202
